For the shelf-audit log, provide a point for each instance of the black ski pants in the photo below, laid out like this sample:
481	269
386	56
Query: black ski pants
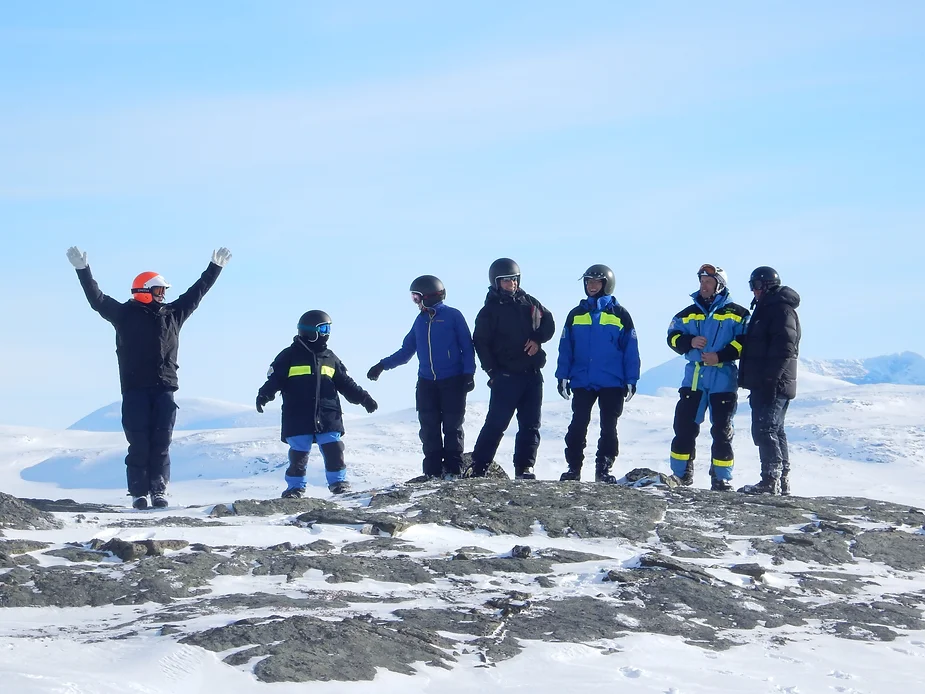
608	446
769	435
688	415
148	417
441	407
511	392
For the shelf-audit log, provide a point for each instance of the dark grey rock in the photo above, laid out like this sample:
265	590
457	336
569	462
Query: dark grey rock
71	506
521	551
76	554
272	507
17	514
755	571
12	547
901	550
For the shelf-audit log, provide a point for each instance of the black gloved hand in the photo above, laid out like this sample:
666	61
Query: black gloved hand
262	402
565	389
468	382
376	371
369	404
629	390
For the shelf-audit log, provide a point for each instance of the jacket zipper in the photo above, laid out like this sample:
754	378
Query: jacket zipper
430	349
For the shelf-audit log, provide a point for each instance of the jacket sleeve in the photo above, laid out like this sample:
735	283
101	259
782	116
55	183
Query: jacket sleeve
545	328
276	376
105	305
189	300
678	338
347	387
566	349
784	332
404	353
482	338
733	350
464	338
630	346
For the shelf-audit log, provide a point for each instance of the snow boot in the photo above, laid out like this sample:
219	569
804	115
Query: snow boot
140	502
687	479
602	471
450	476
785	483
339	488
293	493
720	485
158	500
573	474
767	485
524	474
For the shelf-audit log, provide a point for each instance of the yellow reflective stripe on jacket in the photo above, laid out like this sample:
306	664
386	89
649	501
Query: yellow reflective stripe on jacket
722	463
693	316
582	319
728	316
307	371
610	319
674	340
696	378
680	456
738	346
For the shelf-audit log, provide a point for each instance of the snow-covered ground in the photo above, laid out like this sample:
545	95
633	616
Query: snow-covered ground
846	440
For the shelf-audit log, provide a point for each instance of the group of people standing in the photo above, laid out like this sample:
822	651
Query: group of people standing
598	363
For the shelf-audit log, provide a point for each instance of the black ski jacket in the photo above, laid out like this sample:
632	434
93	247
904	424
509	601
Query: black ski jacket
503	327
310	382
147	335
768	366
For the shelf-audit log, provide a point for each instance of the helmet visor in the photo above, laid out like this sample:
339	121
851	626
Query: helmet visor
707	270
321	328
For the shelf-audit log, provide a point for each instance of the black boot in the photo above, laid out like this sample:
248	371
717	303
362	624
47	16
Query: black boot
524	474
785	484
602	471
767	485
573	474
687	479
718	485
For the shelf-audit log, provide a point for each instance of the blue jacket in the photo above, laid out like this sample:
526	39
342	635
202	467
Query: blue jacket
443	343
598	347
723	324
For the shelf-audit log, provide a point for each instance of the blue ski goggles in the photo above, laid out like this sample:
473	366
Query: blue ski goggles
321	328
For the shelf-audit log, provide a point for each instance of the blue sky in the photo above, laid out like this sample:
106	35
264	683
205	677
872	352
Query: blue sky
341	149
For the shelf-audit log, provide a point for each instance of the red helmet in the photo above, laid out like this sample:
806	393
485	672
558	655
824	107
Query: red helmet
148	287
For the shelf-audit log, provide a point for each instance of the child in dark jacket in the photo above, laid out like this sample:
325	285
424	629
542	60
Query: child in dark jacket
446	368
310	376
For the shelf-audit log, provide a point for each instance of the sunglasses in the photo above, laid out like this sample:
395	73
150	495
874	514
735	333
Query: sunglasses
321	328
507	278
158	291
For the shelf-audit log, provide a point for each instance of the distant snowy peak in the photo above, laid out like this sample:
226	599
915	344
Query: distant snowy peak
192	413
905	368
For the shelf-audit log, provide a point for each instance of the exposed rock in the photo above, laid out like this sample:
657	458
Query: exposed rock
71	506
20	515
22	546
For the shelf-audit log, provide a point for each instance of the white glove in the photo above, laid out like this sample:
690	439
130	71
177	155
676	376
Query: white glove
221	256
77	257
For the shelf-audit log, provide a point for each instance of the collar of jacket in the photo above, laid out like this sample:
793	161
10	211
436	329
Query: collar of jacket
720	299
308	346
497	296
601	303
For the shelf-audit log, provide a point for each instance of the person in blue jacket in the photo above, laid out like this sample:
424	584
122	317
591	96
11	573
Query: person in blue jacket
598	362
709	334
446	370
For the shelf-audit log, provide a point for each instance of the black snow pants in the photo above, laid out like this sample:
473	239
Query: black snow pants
441	407
148	417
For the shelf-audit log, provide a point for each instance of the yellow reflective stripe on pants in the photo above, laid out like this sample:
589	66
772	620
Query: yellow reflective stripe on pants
300	371
722	463
680	456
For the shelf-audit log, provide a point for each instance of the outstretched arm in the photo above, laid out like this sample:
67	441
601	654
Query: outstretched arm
187	302
106	306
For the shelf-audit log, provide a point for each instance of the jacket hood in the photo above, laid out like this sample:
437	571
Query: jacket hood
784	295
317	347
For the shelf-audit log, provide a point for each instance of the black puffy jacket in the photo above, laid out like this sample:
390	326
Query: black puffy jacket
503	327
147	335
768	366
310	380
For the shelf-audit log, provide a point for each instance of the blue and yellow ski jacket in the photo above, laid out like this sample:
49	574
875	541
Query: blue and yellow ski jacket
723	324
598	347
